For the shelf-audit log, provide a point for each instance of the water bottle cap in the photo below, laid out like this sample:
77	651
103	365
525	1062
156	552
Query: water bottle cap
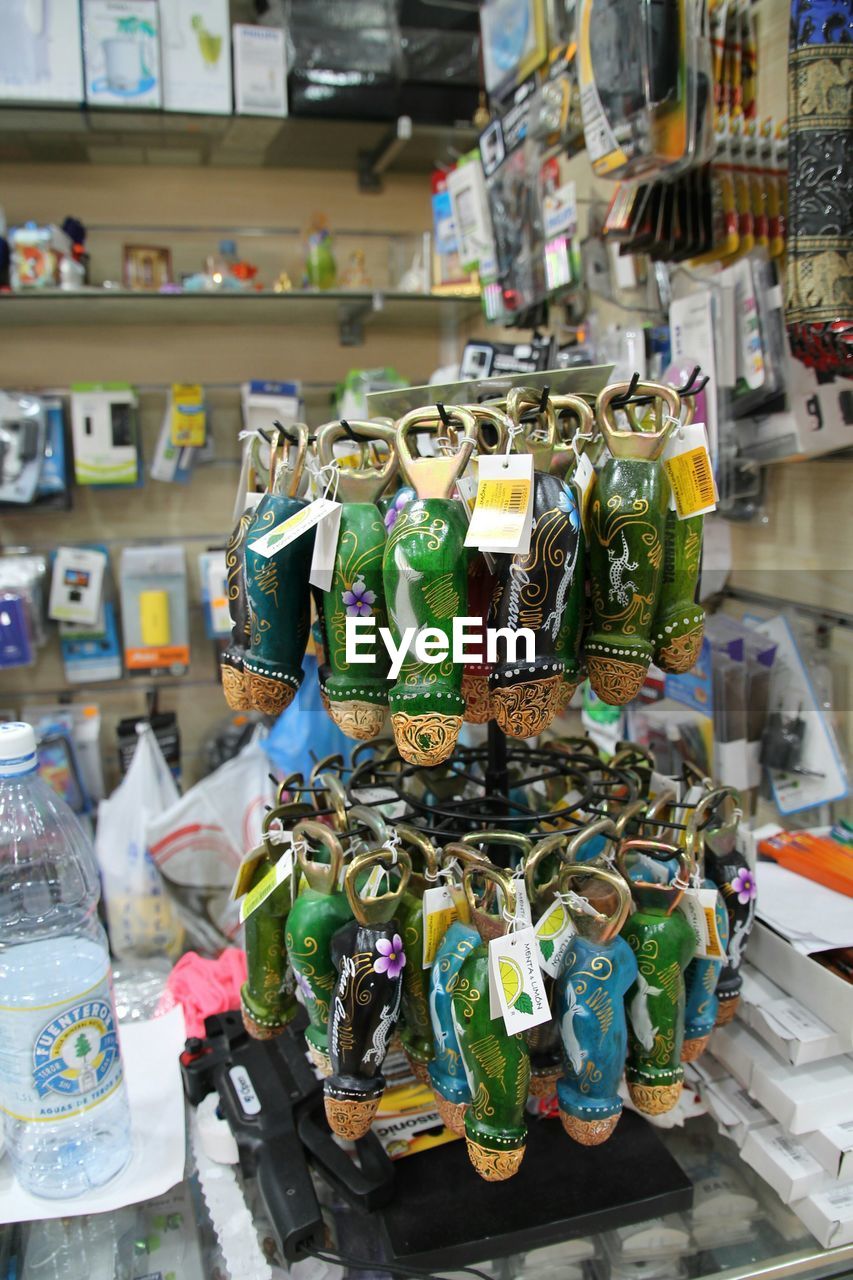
17	748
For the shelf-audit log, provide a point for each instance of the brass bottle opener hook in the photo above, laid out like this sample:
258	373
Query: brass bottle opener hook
368	481
434	477
376	908
625	443
321	876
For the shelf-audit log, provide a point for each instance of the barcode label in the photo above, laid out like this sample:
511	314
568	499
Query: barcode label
687	463
502	515
510	496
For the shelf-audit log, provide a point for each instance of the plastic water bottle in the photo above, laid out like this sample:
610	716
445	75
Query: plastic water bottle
62	1092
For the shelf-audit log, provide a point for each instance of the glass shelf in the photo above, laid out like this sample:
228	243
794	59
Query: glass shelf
302	307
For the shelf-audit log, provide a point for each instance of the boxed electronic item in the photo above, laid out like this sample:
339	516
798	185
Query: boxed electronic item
41	58
105	433
22	442
121	53
733	1108
828	1214
783	1162
260	71
793	1032
805	1098
827	995
77	585
833	1147
817	418
35	255
155	617
344	59
740	1052
195	46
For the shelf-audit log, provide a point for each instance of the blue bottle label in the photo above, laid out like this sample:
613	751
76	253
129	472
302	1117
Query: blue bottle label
58	1062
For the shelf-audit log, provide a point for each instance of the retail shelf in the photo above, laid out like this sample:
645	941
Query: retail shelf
79	136
349	309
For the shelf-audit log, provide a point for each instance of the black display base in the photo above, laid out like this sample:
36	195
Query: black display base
444	1215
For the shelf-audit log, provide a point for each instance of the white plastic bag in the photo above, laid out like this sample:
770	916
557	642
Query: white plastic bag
140	915
198	844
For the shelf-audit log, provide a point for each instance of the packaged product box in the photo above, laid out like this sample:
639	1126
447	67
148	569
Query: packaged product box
794	1032
740	1052
195	46
121	53
260	71
783	1162
828	1215
826	994
41	54
808	1097
833	1147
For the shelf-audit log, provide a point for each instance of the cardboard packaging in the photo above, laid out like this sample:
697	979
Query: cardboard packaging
733	1109
828	1215
105	433
260	71
805	1098
795	1034
155	617
740	1052
783	1163
828	997
817	419
41	53
121	53
833	1147
195	46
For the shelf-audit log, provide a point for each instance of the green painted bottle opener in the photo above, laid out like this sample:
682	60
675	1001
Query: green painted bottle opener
357	696
415	1024
571	631
497	1065
663	943
425	572
626	528
703	972
234	681
316	915
680	620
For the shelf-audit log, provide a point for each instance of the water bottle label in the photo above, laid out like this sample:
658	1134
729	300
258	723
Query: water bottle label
59	1061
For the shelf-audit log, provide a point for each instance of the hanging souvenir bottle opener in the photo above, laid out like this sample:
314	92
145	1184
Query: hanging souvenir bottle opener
589	845
571	630
316	915
369	958
447	1076
267	998
425	575
497	1064
415	1025
703	972
541	879
234	681
357	696
663	943
627	517
726	866
278	591
599	969
679	619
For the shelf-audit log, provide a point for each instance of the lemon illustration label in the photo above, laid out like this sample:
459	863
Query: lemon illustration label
554	932
516	987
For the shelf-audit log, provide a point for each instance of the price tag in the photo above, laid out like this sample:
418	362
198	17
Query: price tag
523	913
687	463
554	932
189	420
262	890
439	914
503	512
583	480
373	883
699	907
297	524
325	549
516	986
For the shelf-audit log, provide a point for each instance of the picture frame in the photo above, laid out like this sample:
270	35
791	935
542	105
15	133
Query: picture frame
146	267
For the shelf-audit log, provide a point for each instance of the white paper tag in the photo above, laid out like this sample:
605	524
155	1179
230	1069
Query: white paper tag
583	479
297	524
699	907
384	799
503	512
523	913
516	981
325	549
262	890
440	912
687	463
554	932
373	883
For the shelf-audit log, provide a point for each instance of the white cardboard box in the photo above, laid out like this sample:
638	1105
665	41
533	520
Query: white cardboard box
794	1033
833	1147
740	1052
826	995
757	990
828	1215
260	71
783	1162
121	53
734	1109
805	1098
41	51
195	46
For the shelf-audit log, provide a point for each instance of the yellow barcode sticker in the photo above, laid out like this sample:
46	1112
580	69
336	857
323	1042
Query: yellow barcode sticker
687	463
268	885
713	947
189	420
501	519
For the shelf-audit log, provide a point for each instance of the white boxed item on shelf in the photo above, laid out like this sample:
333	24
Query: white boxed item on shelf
195	46
794	1033
260	71
783	1162
757	990
828	997
733	1108
805	1098
833	1147
740	1052
828	1214
121	53
41	54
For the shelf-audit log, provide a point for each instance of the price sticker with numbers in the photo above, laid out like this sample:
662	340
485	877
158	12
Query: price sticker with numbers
502	516
687	463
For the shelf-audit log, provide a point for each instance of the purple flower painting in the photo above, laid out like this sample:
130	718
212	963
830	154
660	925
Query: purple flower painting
359	599
744	886
400	501
391	958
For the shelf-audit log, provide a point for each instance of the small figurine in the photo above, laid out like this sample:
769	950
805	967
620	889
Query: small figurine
355	275
729	870
703	972
321	270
